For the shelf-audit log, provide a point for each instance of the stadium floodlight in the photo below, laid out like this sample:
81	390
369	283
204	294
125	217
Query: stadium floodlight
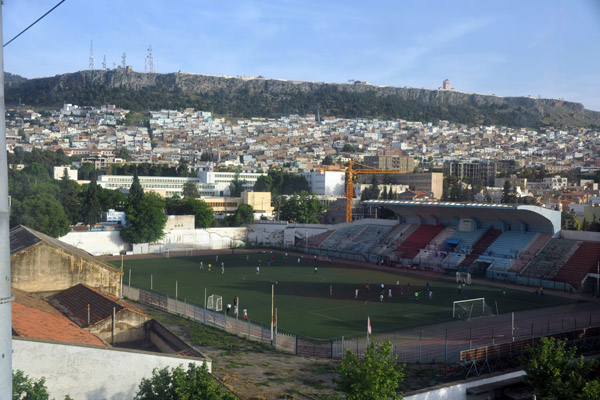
472	308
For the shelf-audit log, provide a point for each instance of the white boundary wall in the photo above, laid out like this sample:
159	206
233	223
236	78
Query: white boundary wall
88	372
580	235
110	243
459	391
273	233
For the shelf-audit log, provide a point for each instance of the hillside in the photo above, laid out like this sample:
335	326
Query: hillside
260	97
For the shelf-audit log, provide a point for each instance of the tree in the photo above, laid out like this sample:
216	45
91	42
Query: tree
91	211
42	213
236	187
27	388
135	190
190	190
243	215
179	384
302	208
124	154
146	219
264	183
203	213
328	160
349	148
375	377
371	193
69	198
554	373
507	195
114	199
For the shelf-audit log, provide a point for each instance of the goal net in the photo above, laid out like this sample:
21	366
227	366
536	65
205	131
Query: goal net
214	302
472	308
463	277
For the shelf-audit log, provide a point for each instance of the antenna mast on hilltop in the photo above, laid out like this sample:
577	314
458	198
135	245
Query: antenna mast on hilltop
92	62
124	60
150	60
104	62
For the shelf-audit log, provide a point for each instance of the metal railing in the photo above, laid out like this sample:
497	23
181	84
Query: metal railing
410	346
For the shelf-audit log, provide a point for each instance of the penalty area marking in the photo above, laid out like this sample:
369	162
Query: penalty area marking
411	317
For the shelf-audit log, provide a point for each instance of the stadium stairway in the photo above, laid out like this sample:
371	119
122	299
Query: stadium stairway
481	246
510	244
394	238
366	239
418	240
550	259
583	261
529	252
433	253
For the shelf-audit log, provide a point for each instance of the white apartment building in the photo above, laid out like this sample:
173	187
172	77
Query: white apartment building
326	183
166	186
221	180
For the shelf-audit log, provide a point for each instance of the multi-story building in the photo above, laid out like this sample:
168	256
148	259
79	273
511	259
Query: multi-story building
223	179
477	172
326	183
166	186
432	182
403	163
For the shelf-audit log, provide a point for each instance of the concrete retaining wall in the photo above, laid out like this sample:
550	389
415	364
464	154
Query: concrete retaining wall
87	372
458	391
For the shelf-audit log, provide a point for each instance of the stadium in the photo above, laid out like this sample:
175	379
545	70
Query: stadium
482	248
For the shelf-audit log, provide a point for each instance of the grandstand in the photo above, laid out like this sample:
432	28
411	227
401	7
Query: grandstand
550	259
514	243
420	238
584	260
481	246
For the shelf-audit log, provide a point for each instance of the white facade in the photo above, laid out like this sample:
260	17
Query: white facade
221	180
556	182
59	172
169	185
326	183
114	217
90	372
110	242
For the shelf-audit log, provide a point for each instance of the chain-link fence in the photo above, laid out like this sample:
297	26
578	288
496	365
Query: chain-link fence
411	346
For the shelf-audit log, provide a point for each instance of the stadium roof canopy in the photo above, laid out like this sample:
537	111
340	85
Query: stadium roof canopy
534	216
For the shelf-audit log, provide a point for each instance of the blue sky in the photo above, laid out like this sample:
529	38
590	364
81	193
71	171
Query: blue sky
512	48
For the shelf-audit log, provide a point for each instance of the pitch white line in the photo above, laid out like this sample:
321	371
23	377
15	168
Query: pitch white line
325	316
339	308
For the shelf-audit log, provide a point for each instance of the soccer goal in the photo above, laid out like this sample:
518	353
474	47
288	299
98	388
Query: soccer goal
463	277
214	302
472	308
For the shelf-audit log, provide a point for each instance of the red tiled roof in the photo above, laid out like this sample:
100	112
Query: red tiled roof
74	301
35	318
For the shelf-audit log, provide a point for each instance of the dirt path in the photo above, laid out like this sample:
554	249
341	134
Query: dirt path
252	370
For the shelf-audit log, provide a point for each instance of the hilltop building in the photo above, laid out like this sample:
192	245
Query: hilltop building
477	172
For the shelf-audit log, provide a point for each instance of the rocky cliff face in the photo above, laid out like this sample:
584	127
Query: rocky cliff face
272	97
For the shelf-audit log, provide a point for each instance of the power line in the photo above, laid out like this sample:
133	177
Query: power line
35	22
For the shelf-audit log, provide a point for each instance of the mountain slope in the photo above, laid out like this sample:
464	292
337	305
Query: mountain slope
260	97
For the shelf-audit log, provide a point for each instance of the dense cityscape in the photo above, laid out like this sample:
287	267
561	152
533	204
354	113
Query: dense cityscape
300	200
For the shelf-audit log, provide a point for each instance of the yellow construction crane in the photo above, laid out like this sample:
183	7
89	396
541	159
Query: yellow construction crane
365	169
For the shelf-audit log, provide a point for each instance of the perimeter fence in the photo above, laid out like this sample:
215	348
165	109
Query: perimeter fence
412	346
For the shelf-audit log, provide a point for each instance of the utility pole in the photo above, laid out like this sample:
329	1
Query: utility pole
273	283
5	278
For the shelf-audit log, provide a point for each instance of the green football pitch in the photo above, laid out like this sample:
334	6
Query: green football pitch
302	296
